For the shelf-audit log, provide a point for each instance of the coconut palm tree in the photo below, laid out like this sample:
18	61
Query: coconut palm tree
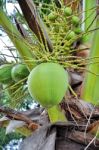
55	49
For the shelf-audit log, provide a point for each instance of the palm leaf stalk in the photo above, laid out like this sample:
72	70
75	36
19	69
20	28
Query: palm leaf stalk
89	18
90	91
22	130
35	23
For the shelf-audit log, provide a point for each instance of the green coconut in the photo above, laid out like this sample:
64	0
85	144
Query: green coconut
52	16
75	20
47	83
19	72
5	73
67	11
71	35
78	30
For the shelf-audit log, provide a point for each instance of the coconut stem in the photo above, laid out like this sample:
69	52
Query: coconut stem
56	115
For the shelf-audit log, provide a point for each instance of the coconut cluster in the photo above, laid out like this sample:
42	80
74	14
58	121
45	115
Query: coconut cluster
65	23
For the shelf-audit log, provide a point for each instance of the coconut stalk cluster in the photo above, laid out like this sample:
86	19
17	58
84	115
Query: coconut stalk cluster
48	82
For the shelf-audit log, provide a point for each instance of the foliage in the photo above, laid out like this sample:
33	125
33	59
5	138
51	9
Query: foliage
4	139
